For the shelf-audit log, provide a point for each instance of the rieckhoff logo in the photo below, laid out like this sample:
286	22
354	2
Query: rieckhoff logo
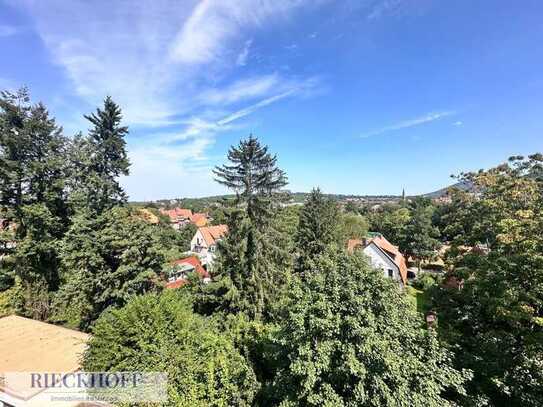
111	387
85	380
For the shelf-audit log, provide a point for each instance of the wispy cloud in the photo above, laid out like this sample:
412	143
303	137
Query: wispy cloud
214	24
243	89
428	118
174	70
381	8
241	60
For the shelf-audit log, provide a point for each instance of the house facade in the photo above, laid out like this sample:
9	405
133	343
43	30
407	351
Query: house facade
383	255
204	243
182	268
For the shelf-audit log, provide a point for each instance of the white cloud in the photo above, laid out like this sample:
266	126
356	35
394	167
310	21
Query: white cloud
170	68
215	23
381	8
242	89
241	60
428	118
458	123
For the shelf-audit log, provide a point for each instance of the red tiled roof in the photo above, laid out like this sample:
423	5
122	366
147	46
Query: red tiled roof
394	253
177	213
391	250
199	219
194	262
213	233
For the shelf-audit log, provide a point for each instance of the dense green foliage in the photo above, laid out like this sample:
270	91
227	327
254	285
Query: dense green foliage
66	245
350	338
160	333
98	161
106	260
317	230
420	238
495	322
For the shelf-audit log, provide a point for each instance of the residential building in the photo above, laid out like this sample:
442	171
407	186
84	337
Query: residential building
182	268
179	217
198	219
204	243
383	255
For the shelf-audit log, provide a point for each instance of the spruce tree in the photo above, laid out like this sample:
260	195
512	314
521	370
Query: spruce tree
32	197
254	176
99	160
317	229
250	267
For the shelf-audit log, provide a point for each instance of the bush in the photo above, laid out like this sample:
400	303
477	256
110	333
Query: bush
425	281
159	332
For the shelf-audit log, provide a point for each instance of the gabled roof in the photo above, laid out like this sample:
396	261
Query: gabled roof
195	264
385	246
213	233
199	219
176	213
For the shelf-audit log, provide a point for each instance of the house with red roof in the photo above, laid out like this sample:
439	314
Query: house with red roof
182	268
383	255
199	219
204	242
180	217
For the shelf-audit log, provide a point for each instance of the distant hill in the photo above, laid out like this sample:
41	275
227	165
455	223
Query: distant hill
199	204
463	186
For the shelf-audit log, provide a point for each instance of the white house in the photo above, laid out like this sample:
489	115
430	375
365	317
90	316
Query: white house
204	242
383	255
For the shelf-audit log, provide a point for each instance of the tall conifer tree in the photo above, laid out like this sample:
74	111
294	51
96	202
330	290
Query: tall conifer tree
100	159
250	264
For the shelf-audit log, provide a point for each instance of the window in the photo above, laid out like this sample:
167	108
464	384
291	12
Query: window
390	273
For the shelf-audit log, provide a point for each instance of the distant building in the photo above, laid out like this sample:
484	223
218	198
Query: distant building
204	242
199	219
180	217
182	268
383	255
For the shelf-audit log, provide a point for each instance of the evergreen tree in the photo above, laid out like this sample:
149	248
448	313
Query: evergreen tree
99	160
252	262
317	229
254	176
106	260
32	197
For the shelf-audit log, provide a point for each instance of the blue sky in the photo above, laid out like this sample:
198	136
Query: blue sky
357	97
